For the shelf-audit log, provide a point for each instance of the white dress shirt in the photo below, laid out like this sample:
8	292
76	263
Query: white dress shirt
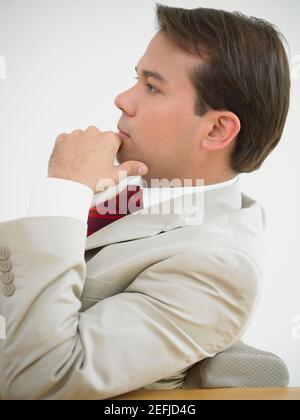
53	197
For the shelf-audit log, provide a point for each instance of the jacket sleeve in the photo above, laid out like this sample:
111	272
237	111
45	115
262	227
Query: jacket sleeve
174	314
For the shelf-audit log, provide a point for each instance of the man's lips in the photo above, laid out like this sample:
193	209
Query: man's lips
123	132
124	136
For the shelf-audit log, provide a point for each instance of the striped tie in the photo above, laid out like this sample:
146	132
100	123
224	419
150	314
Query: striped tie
109	211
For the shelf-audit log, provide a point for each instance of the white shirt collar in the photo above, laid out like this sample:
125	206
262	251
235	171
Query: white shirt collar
153	196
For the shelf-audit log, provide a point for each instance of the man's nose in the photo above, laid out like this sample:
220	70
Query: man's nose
118	101
124	103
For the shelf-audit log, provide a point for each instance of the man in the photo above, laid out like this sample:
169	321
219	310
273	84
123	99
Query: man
131	301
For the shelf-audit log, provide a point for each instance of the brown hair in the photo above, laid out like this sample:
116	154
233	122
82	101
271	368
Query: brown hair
244	69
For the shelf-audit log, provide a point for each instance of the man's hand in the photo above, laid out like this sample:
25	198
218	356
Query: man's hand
88	157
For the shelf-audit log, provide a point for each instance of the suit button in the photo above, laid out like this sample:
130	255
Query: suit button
5	266
4	253
9	290
7	278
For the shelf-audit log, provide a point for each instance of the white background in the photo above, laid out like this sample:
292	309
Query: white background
67	60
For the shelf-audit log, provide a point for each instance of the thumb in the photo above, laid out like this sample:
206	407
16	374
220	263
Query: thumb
133	168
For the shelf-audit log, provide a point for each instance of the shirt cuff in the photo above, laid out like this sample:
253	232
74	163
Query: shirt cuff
54	197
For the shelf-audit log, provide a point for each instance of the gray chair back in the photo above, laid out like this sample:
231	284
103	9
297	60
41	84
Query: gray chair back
240	366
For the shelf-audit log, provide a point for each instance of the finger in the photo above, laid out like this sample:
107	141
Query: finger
62	136
92	129
113	140
77	133
133	168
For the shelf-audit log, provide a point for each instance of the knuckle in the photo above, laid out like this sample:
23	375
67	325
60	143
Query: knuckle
112	137
61	137
111	133
92	128
77	133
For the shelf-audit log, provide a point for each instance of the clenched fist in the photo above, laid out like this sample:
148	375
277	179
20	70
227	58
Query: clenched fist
88	157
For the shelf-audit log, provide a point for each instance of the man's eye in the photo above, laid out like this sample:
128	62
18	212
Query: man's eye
149	86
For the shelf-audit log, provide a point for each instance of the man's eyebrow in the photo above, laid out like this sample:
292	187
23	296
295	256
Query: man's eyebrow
157	76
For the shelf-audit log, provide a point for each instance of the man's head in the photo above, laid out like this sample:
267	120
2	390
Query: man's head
224	102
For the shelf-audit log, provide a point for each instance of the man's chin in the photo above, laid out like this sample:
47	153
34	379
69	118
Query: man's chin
124	155
122	158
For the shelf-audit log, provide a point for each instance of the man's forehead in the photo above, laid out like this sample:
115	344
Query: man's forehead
166	59
166	74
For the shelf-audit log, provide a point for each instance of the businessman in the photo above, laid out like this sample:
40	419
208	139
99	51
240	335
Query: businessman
100	301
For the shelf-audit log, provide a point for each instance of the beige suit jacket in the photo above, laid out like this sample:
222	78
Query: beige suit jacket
133	306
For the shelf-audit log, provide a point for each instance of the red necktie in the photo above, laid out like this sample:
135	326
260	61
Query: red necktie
109	211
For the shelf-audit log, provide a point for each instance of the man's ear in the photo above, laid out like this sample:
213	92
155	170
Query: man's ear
226	126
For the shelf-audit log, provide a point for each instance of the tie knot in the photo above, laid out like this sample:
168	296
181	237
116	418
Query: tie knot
127	202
